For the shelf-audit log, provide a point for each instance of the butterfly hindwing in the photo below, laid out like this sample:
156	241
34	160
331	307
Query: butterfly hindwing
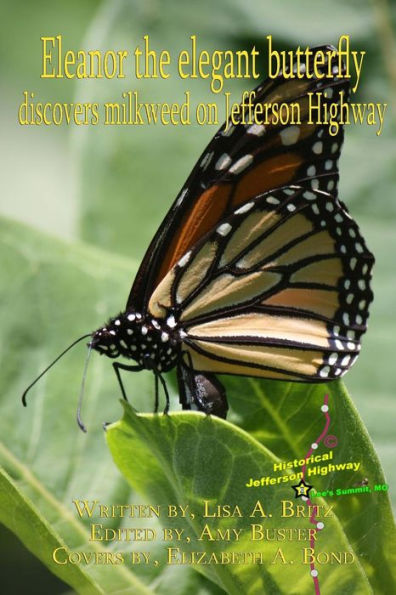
245	160
279	289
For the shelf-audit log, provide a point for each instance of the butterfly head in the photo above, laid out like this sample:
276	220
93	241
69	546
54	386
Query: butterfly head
145	340
105	341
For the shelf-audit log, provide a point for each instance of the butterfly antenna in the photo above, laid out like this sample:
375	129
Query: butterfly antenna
50	366
82	389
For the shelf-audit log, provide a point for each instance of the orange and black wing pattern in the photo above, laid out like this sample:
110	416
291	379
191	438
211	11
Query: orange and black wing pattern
258	265
279	289
243	161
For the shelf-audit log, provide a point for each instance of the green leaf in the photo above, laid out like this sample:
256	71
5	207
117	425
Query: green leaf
287	418
55	292
188	458
48	529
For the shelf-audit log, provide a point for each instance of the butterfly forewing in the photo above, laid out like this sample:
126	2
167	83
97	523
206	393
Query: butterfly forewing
243	161
279	289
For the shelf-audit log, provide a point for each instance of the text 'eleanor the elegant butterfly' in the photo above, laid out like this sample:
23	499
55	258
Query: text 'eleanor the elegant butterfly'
257	269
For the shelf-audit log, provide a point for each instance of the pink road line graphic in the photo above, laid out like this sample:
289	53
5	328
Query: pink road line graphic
313	519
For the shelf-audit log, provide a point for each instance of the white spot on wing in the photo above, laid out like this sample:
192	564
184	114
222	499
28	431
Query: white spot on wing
317	147
324	372
206	160
315	184
333	358
223	162
362	284
244	208
299	68
345	361
257	129
241	164
224	229
229	131
184	259
311	171
171	322
290	135
181	197
272	200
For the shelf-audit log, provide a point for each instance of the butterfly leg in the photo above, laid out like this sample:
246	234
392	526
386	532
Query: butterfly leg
184	390
156	403
117	367
166	394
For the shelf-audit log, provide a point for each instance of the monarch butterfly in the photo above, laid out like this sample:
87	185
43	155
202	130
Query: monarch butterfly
257	269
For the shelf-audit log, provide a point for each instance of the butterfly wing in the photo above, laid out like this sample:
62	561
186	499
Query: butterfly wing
280	289
244	160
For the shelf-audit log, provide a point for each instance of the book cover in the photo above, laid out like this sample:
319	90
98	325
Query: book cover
275	481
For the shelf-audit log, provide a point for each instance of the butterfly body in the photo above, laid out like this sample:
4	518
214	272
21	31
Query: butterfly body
157	345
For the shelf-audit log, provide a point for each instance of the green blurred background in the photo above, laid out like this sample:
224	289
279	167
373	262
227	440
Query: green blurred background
111	186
